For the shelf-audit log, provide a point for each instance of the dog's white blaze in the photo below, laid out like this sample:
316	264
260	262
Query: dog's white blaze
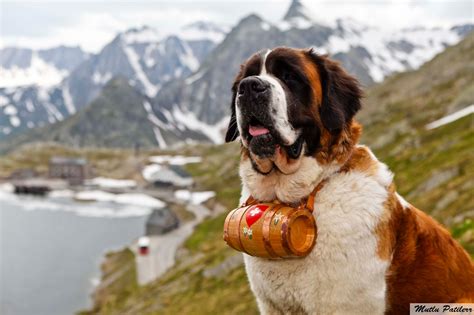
238	114
278	107
279	110
264	69
343	274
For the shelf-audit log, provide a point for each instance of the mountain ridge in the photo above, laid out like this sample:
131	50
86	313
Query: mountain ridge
139	54
187	81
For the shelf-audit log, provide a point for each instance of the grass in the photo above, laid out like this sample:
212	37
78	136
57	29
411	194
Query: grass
114	163
229	295
446	149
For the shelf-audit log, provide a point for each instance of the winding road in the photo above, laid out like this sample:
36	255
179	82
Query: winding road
163	248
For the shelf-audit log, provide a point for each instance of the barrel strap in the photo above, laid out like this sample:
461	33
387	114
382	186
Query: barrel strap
312	195
250	200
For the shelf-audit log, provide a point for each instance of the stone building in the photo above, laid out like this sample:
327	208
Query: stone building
74	170
161	221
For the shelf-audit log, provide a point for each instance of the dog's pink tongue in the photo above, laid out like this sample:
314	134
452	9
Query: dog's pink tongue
258	131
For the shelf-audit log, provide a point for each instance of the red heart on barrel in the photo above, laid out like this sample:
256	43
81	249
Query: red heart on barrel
254	213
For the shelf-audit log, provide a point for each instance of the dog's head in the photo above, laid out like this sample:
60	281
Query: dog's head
291	104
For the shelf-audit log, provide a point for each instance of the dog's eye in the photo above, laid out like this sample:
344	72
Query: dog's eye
288	76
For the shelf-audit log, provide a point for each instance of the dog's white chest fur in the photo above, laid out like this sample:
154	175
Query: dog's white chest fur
343	274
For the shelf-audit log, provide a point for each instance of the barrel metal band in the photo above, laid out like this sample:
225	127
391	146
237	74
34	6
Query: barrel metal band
267	220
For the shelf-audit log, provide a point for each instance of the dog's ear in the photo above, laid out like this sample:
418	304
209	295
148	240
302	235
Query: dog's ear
341	93
232	130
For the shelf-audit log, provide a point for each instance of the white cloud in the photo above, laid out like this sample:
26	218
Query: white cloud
91	24
394	14
91	32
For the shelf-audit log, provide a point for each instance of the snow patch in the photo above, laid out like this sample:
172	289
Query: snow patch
141	200
3	101
65	193
152	117
10	110
104	182
39	73
71	109
42	94
175	159
159	138
188	59
189	119
15	121
194	198
450	118
134	61
193	78
53	113
29	106
101	79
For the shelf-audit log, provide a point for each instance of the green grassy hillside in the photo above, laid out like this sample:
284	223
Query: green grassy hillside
433	168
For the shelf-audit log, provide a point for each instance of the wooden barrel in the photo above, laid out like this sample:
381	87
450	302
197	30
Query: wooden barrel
271	230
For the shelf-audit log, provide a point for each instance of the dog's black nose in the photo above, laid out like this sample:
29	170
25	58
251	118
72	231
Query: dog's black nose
252	85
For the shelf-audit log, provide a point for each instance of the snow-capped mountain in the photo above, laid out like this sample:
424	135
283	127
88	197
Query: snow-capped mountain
296	16
140	55
47	67
202	30
29	96
384	52
185	78
369	53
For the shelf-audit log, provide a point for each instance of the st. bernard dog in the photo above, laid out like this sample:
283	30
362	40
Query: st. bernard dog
375	253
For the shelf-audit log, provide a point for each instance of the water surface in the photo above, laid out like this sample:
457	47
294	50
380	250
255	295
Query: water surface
51	249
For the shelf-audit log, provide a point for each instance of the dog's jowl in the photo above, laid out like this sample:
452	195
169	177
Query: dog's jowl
293	112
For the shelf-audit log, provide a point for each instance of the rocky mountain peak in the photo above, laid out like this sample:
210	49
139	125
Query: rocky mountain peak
143	34
251	19
206	26
296	11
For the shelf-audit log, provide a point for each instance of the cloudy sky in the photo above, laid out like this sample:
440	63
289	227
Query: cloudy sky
91	24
